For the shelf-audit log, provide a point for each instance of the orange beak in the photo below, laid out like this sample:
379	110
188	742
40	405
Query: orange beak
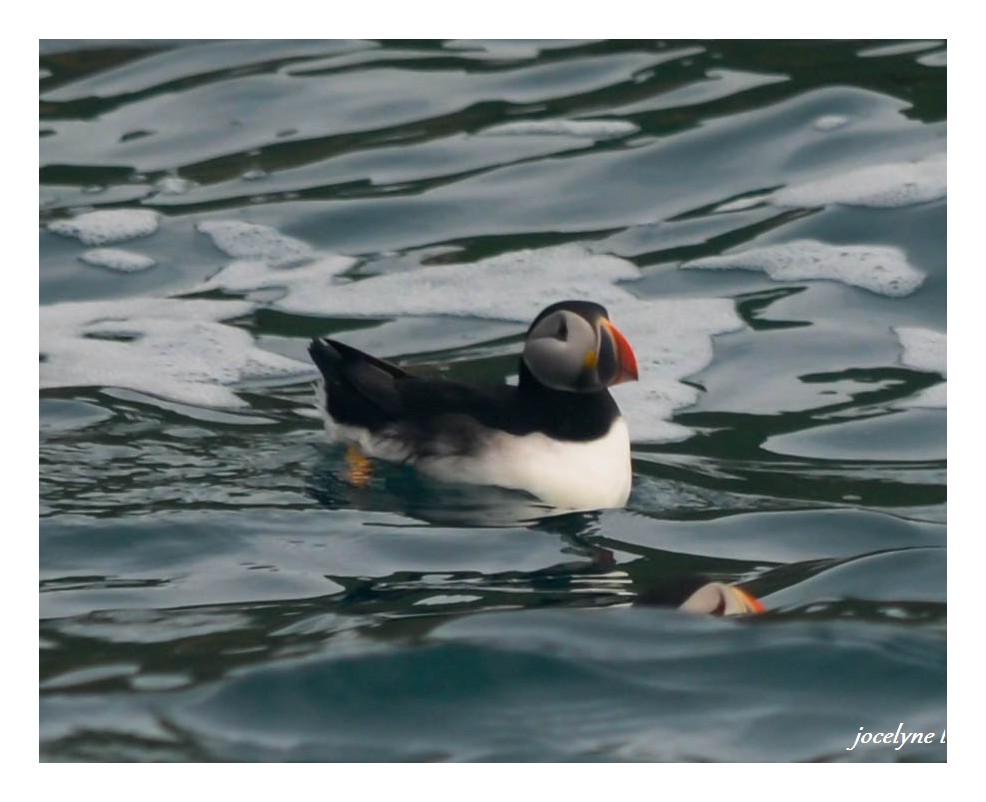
627	359
755	605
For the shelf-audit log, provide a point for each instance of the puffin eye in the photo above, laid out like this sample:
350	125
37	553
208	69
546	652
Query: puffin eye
562	333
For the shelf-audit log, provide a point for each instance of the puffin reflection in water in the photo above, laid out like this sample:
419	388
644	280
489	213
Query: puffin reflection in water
557	435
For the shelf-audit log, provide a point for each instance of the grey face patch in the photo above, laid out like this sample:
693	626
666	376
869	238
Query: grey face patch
559	351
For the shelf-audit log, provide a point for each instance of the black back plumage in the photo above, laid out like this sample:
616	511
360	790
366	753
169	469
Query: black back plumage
370	393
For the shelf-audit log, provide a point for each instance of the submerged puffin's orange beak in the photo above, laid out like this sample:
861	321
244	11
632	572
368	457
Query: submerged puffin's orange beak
627	359
752	602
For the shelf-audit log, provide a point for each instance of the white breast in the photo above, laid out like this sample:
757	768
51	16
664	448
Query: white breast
568	475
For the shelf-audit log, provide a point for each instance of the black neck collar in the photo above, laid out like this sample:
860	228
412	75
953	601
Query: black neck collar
566	415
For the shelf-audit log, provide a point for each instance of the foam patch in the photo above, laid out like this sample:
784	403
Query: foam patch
586	129
671	337
924	349
103	227
881	186
302	284
486	289
880	269
118	259
174	349
253	241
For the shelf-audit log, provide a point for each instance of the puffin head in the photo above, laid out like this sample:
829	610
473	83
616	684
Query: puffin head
695	593
572	346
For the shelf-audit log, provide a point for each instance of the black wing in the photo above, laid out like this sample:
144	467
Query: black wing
362	390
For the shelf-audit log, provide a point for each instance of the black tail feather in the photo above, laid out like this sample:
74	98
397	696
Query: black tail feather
360	389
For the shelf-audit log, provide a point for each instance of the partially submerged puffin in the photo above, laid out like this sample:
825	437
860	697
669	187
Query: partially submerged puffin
695	593
557	435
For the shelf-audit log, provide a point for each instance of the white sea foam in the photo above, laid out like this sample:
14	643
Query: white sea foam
171	348
106	226
880	185
117	259
180	349
880	269
672	337
587	129
925	349
254	241
302	284
515	286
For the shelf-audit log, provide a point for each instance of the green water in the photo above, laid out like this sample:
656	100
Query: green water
212	588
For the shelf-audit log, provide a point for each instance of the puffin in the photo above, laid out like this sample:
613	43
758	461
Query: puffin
557	434
695	593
